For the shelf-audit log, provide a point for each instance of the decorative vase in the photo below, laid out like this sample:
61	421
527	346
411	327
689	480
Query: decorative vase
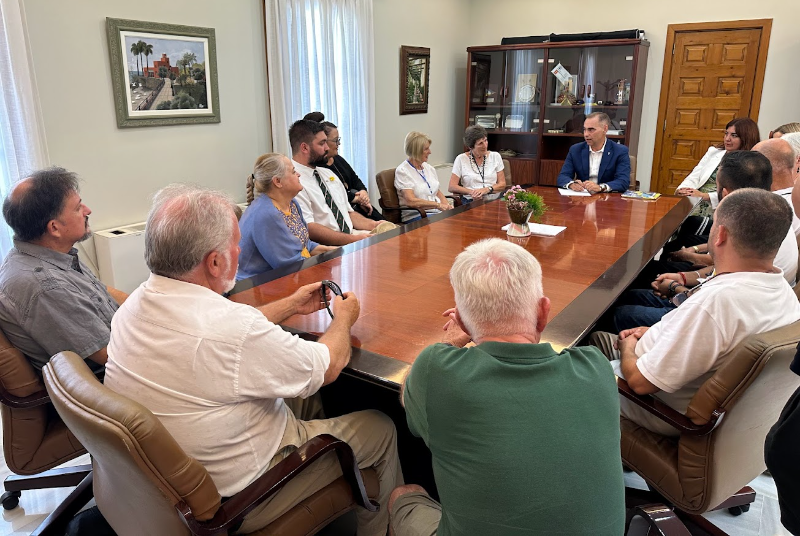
519	222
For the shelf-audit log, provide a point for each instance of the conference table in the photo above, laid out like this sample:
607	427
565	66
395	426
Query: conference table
401	277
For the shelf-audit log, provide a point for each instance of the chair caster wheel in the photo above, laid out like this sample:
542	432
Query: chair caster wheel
10	499
738	510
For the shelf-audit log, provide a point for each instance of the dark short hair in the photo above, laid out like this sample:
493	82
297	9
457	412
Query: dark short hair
758	221
747	130
319	117
303	131
473	135
744	169
29	212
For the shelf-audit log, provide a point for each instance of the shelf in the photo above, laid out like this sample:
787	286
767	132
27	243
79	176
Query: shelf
506	105
513	132
579	135
593	106
523	157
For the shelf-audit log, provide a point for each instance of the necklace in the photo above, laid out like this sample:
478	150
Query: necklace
479	170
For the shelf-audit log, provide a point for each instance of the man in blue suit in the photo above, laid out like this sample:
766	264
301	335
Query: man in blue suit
598	165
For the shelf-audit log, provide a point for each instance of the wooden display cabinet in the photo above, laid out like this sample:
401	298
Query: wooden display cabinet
513	93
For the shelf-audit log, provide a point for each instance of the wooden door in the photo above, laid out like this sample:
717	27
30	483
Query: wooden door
712	73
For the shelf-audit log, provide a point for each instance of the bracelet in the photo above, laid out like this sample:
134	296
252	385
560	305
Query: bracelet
673	286
698	274
696	249
683	277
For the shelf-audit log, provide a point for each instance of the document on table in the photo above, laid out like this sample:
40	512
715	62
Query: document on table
540	229
567	191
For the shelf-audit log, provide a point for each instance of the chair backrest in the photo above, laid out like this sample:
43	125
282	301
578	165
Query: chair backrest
633	173
443	172
140	472
752	386
388	200
33	439
507	172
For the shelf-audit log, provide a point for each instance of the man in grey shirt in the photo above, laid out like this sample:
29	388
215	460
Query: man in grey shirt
49	300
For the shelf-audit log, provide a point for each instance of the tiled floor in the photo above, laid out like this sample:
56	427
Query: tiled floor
763	519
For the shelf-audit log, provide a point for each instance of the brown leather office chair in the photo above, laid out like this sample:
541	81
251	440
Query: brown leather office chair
721	446
507	173
35	440
389	200
145	484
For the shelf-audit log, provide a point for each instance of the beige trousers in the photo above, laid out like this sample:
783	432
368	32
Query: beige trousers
373	438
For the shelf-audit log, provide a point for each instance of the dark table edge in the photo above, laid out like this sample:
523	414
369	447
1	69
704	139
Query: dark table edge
388	372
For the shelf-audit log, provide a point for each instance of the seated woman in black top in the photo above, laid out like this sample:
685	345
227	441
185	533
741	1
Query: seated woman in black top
356	191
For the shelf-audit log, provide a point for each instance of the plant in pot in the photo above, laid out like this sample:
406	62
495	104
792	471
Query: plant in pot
523	205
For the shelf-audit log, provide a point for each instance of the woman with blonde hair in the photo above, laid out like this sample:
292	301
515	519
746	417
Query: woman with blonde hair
416	181
274	233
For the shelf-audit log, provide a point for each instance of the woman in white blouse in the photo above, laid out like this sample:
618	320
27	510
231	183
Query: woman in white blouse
416	181
478	172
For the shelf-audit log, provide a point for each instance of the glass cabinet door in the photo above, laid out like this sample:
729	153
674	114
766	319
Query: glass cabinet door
592	79
486	88
522	90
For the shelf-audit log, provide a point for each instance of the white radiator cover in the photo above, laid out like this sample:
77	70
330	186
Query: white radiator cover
120	256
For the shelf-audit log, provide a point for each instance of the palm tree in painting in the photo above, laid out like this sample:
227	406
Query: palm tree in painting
141	45
189	59
135	51
147	50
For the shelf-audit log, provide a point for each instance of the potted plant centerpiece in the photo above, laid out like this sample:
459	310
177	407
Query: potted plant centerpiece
523	205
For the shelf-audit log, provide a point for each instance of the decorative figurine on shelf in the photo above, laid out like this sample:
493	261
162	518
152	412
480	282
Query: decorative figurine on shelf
491	96
566	98
608	84
621	83
523	205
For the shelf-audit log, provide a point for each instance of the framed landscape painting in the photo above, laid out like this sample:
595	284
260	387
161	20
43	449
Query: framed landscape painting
415	65
162	74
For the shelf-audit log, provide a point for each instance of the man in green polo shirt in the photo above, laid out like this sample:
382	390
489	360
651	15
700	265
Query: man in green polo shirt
525	440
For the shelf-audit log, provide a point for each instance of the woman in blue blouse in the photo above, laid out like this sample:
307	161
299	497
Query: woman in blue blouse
274	232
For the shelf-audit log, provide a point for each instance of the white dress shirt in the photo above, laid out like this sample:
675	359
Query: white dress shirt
312	200
594	162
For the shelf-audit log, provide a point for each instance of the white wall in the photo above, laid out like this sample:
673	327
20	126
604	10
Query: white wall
779	102
440	25
122	168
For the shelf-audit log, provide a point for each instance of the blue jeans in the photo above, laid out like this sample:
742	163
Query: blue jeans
639	307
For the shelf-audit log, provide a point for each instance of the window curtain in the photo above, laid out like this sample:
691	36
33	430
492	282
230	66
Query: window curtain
320	58
22	145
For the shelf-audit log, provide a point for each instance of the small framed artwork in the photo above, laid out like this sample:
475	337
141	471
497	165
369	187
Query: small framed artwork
415	64
162	74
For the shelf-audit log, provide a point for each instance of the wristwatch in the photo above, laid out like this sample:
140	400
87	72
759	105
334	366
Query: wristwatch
491	189
605	187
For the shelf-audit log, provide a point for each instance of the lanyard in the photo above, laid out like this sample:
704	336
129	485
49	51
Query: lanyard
421	174
480	170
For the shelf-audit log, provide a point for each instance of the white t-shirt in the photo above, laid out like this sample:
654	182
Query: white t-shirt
679	353
407	177
786	193
786	258
470	173
312	200
214	372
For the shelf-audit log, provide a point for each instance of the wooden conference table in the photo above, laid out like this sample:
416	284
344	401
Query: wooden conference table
401	277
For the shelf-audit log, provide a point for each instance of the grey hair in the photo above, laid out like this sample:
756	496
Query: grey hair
267	167
498	287
185	224
793	138
602	117
473	134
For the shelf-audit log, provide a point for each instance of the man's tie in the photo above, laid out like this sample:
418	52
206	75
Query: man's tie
331	205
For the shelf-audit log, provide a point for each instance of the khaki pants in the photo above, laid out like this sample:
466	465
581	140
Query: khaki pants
605	342
415	514
373	438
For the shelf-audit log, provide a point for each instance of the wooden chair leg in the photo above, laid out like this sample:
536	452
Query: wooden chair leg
54	478
739	502
661	519
58	520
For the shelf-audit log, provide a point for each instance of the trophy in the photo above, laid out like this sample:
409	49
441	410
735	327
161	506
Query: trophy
621	91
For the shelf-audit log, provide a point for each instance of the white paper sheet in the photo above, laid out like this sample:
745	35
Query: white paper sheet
561	73
567	191
540	229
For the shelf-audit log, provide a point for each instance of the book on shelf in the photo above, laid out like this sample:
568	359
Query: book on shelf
637	194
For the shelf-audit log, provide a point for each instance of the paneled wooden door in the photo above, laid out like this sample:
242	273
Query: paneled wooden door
712	73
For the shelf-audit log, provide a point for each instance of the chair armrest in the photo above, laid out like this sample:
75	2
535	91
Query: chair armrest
675	419
661	520
456	199
234	509
384	206
39	398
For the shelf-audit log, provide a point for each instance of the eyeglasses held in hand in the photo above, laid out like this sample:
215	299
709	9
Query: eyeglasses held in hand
334	288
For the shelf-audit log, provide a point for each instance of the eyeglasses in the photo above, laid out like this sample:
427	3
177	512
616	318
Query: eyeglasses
337	141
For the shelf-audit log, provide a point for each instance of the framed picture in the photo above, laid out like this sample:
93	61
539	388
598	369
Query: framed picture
162	74
415	64
568	89
481	69
526	87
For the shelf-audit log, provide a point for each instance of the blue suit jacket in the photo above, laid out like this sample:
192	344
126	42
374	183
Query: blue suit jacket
615	166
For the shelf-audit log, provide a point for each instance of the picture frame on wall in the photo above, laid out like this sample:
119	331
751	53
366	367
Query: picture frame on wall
415	65
162	74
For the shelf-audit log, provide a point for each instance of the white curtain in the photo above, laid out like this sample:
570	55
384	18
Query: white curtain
22	145
320	58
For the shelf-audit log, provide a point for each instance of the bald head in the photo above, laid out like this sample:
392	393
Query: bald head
781	157
37	200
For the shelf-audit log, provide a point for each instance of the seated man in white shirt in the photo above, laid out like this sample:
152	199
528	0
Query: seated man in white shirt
782	157
748	295
330	218
216	372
